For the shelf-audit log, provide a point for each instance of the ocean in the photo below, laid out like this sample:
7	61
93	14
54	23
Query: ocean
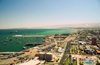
16	44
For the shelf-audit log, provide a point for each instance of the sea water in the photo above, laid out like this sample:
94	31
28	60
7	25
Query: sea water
18	43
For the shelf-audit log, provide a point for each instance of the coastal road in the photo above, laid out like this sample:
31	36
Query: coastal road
65	53
70	63
70	60
64	56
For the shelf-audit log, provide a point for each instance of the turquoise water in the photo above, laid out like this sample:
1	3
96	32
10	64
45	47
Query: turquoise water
18	43
88	62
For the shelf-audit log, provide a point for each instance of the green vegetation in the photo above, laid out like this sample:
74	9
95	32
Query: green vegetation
63	46
47	62
58	56
75	51
95	53
83	34
80	62
92	32
53	48
57	60
71	51
66	61
80	51
67	47
97	63
74	62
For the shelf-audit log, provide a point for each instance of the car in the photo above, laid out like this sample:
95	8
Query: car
70	55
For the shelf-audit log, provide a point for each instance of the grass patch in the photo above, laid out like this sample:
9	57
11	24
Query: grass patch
74	62
80	62
56	60
47	62
66	61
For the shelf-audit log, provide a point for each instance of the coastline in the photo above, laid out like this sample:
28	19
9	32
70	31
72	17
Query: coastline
36	46
31	52
18	43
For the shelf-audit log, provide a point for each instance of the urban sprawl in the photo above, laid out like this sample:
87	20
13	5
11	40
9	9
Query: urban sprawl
80	48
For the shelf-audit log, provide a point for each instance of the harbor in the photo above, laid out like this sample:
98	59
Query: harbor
16	57
29	45
14	42
28	54
50	45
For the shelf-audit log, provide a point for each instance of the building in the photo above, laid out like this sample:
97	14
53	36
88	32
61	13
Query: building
90	49
42	55
45	56
60	50
94	41
48	56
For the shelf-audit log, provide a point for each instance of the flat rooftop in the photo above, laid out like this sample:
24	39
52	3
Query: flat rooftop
92	47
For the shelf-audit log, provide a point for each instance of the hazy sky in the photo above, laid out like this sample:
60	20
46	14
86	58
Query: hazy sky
32	13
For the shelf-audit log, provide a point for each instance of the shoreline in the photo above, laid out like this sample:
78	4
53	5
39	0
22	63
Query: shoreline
28	48
31	52
32	36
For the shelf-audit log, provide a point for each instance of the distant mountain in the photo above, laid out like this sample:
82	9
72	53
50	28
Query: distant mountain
73	25
85	25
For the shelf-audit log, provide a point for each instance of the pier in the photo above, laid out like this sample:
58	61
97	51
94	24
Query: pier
28	35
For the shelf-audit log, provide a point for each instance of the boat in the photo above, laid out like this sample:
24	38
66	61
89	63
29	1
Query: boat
17	42
5	40
24	47
7	37
14	32
10	39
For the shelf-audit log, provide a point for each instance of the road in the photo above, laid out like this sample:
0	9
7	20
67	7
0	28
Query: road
64	57
70	60
65	52
70	63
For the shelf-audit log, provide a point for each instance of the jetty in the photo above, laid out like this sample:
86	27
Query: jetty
29	35
28	44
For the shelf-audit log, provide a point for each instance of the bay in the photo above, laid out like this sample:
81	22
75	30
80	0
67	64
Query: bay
18	43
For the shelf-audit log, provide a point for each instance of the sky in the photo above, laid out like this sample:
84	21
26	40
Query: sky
35	13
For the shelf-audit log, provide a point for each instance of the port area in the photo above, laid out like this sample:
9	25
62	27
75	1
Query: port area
29	35
7	58
53	45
